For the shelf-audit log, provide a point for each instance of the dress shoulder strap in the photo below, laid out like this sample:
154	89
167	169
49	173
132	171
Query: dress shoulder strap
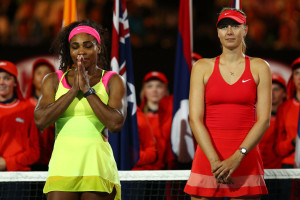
247	60
61	77
216	66
106	78
247	63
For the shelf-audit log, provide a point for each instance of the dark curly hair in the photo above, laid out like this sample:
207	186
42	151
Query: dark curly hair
61	45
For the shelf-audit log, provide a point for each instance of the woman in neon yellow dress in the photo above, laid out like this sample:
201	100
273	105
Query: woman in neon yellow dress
82	98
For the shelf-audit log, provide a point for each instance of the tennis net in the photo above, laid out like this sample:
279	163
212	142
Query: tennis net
146	185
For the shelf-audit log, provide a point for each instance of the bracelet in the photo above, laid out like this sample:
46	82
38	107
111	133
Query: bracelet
89	92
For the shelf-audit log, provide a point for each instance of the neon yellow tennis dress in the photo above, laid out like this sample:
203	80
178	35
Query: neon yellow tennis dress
82	159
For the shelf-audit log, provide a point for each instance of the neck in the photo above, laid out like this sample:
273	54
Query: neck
274	108
232	56
93	71
152	106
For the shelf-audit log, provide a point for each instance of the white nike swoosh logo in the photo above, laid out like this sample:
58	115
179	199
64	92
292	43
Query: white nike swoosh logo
244	81
18	119
226	13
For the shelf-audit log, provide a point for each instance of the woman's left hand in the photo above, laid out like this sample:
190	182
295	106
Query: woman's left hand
84	84
226	167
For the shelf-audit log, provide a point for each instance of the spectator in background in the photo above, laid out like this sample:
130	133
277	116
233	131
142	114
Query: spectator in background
287	118
288	36
8	8
268	142
4	30
157	105
41	67
26	28
94	11
287	125
19	142
148	149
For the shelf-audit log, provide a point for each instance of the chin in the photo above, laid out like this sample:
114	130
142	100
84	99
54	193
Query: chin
231	46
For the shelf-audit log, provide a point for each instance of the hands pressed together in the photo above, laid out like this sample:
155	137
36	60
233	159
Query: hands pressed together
81	80
222	170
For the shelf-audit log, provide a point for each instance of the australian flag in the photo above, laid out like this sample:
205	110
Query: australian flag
125	144
181	135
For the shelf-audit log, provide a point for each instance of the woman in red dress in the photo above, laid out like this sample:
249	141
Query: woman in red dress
230	106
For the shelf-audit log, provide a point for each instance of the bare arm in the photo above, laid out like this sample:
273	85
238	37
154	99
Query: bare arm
47	110
113	114
199	77
263	109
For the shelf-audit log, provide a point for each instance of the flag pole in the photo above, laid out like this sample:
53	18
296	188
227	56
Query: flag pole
70	12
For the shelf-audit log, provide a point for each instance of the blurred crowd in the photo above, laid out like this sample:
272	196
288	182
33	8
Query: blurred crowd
32	22
272	24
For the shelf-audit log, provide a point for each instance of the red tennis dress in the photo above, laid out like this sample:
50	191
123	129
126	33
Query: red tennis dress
229	116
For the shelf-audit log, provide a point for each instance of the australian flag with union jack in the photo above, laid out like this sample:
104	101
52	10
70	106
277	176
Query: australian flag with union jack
125	144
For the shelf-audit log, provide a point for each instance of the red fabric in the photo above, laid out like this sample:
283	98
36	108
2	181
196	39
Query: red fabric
232	14
165	116
267	147
46	139
161	123
277	78
229	115
291	89
160	141
223	192
148	150
229	106
287	125
19	141
156	75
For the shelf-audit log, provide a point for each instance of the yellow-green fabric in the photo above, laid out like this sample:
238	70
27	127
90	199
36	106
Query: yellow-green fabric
82	159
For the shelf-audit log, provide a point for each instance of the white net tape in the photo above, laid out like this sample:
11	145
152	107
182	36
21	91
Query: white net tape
154	175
